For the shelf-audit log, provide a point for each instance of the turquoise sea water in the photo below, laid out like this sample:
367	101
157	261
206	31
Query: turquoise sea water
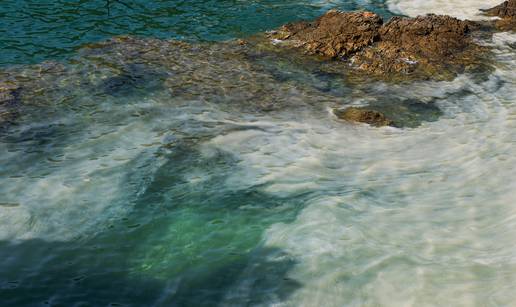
33	31
145	172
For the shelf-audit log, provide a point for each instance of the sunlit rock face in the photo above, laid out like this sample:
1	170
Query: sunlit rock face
334	34
507	13
504	10
431	47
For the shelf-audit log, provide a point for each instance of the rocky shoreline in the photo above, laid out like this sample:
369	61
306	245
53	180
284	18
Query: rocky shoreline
507	14
351	44
426	47
435	47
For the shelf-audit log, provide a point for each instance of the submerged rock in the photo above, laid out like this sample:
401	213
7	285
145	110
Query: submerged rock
7	92
9	96
363	115
429	46
390	111
132	78
407	113
507	12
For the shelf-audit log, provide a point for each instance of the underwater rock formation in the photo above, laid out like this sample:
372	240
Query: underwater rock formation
7	92
363	115
507	12
429	46
9	95
233	77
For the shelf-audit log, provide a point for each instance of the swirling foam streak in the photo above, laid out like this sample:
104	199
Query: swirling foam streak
414	217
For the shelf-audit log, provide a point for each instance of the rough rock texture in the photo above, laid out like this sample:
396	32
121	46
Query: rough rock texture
334	34
431	36
506	9
363	115
431	46
507	12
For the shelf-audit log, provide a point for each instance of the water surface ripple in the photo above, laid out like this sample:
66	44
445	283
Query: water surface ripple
35	30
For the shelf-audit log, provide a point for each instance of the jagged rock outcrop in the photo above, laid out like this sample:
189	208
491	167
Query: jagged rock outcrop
507	12
504	10
363	115
431	46
431	36
334	34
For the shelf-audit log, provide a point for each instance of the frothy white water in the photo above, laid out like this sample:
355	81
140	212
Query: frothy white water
413	217
456	8
77	189
87	181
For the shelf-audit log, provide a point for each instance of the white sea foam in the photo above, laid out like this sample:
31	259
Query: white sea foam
93	180
413	217
456	8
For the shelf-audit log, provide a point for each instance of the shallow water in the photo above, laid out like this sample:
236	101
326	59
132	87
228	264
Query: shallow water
144	172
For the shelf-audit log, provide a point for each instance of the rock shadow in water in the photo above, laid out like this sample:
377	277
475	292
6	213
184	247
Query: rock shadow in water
134	78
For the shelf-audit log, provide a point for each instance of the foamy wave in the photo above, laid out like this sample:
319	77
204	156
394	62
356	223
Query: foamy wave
395	217
456	8
89	183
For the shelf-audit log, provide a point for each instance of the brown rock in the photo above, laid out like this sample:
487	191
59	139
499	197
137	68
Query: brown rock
385	58
241	42
504	10
334	34
507	12
363	115
506	24
430	36
426	47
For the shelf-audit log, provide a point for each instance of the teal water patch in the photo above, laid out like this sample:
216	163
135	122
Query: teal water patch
33	31
185	244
